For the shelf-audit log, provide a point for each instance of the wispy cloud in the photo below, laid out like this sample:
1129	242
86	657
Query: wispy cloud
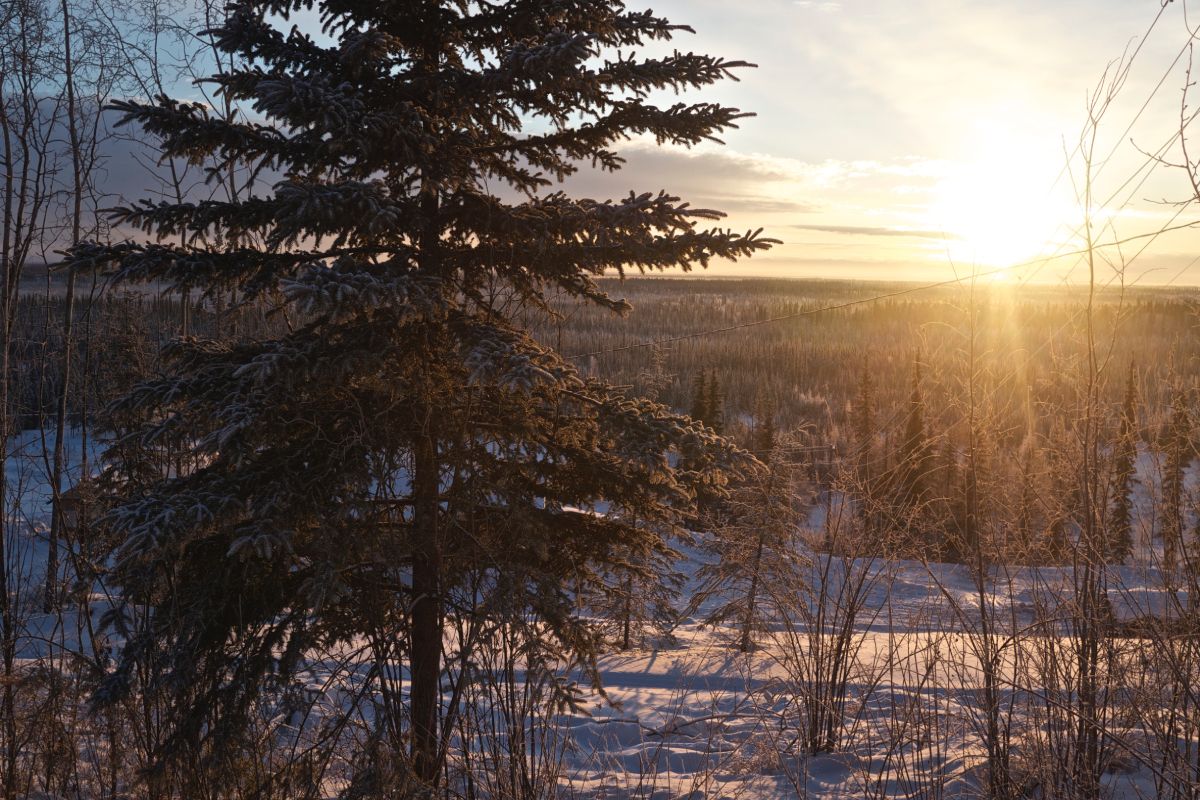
819	5
869	230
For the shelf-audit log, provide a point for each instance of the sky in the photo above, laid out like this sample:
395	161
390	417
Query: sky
929	139
935	139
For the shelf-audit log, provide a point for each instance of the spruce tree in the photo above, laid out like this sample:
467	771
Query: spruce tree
700	408
756	567
1063	507
764	436
1027	497
915	448
404	438
863	417
1178	453
637	605
952	492
1119	533
914	460
653	378
715	403
863	428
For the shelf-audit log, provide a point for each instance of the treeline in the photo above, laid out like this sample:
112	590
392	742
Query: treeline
876	393
810	366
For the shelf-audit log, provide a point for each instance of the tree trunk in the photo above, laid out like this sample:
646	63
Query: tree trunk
628	622
7	616
752	595
60	419
426	635
10	274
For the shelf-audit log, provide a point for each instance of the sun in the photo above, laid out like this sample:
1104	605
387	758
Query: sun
1003	208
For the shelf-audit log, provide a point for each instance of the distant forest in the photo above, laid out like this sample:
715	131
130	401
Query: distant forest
844	377
1030	341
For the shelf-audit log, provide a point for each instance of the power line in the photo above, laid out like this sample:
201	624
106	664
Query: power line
1128	66
1152	160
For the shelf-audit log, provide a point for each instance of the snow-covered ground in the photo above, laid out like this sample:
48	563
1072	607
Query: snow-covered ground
28	508
28	469
698	718
695	717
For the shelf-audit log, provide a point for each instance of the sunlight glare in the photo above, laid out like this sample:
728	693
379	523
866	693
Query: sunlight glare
999	210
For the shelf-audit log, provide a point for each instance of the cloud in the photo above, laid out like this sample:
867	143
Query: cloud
726	180
819	5
760	184
767	205
868	230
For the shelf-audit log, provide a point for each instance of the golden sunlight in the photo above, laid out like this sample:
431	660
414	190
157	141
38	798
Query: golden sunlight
1003	208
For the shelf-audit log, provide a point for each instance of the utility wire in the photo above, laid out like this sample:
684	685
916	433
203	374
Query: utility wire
1124	74
1152	160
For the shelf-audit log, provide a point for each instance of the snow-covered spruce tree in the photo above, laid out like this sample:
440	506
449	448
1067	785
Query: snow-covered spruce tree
1118	533
862	423
1177	444
754	565
638	601
405	433
910	480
